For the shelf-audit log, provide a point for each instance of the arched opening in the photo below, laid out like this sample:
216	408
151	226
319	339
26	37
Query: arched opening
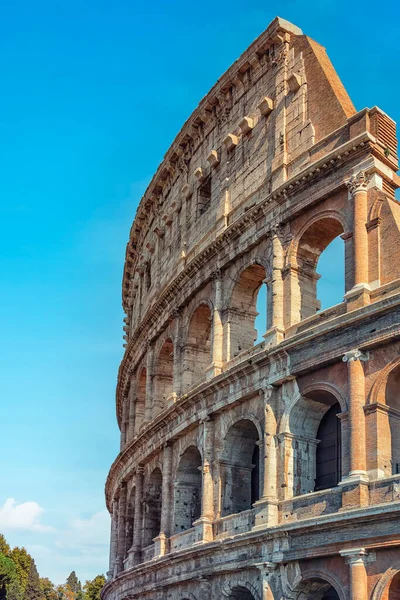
241	593
130	518
393	592
312	244
187	492
197	356
240	468
140	400
331	284
247	314
163	377
152	499
393	402
316	589
314	444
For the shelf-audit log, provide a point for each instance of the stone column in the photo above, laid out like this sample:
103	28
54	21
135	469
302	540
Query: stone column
132	403
124	422
121	545
356	383
267	507
113	539
359	294
149	384
355	558
217	329
135	551
266	570
166	508
204	530
277	289
357	493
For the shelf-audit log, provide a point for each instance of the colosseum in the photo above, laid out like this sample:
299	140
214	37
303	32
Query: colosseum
262	467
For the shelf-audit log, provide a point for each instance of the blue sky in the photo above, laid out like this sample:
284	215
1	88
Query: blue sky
93	94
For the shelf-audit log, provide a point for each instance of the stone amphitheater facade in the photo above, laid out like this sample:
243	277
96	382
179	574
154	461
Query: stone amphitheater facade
262	470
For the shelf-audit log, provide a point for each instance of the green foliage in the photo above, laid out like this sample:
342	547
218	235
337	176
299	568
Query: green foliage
4	547
22	561
73	583
10	588
48	589
93	588
33	590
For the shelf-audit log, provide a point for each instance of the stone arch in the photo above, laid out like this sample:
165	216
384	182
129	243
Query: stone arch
240	589
187	489
384	400
381	590
378	389
302	258
238	269
163	375
241	310
309	420
240	467
232	418
198	344
152	500
314	585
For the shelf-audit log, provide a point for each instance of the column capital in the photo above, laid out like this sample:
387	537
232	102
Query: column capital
140	470
354	556
216	274
358	182
355	354
266	567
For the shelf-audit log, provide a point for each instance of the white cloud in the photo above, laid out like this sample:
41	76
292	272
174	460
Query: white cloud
23	516
94	531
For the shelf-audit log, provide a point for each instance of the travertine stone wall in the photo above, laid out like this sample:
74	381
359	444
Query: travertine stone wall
266	470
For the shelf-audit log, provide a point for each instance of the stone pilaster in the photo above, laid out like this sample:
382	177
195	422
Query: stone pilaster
121	544
124	420
204	529
113	539
267	507
218	333
357	494
135	551
267	569
355	558
177	379
161	540
132	403
275	334
149	384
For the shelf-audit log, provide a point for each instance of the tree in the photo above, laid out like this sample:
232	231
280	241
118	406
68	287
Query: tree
92	588
33	590
22	561
73	583
48	589
10	588
4	547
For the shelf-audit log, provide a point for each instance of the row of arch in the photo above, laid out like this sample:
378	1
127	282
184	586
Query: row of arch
312	451
314	587
181	361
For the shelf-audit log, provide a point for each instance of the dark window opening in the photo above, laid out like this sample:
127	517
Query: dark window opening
329	455
255	475
204	196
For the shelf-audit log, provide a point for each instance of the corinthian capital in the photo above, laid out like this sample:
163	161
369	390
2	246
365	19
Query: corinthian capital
358	182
